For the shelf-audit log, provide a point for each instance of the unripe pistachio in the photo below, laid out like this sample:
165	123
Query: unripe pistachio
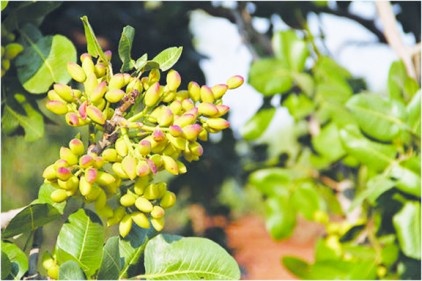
173	80
86	161
165	118
63	173
117	81
152	95
176	107
67	155
157	160
143	205
71	184
101	104
142	169
98	92
108	54
90	84
87	64
222	110
140	219
52	95
158	224
93	194
187	104
157	212
100	70
118	170
72	119
76	72
129	166
95	114
64	91
191	132
152	166
170	165
50	173
117	216
134	84
182	167
184	120
144	147
57	107
53	272
171	151
104	178
105	212
158	135
91	175
207	109
121	147
84	186
140	185
219	90
178	142
12	50
235	82
151	192
196	148
203	135
101	201
168	96
76	146
60	163
168	200
218	123
128	199
82	110
110	155
125	225
175	131
126	78
77	93
194	91
154	76
115	95
206	94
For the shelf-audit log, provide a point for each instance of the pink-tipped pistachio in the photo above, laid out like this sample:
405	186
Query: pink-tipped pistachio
158	135
170	164
91	175
142	169
95	114
184	120
57	107
218	124
222	110
63	173
86	161
144	147
64	91
207	109
82	110
152	95
114	95
219	90
76	72
157	212
206	94
168	200
110	155
191	132
173	80
72	119
140	219
196	148
76	146
175	130
235	81
67	155
176	107
187	104
194	91
108	54
153	166
129	166
98	92
165	118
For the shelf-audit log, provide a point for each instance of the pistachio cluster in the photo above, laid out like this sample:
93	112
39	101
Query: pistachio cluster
9	51
147	128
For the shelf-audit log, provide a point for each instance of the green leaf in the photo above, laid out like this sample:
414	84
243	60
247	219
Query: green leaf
171	257
299	106
333	91
132	247
377	156
17	258
94	48
406	180
125	48
280	216
168	57
258	124
305	82
307	200
45	62
141	62
271	181
30	218
81	240
407	223
401	87
3	6
379	118
71	270
328	69
270	76
288	46
413	110
44	196
110	264
20	112
328	144
6	264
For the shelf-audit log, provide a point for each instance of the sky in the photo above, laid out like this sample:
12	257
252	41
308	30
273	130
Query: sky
219	40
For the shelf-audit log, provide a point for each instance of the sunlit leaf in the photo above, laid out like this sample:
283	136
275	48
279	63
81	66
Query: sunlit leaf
280	216
307	200
305	82
270	76
44	62
271	181
81	240
30	218
94	48
257	125
379	118
171	257
168	57
6	265
71	270
407	223
299	106
328	144
17	258
3	6
406	179
414	113
328	69
288	46
125	48
110	264
401	87
375	155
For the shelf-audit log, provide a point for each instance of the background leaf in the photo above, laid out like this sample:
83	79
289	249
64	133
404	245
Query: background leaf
71	270
173	257
328	144
45	62
413	110
125	48
257	125
288	46
407	223
81	240
6	265
280	216
30	218
271	181
17	258
168	57
110	264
